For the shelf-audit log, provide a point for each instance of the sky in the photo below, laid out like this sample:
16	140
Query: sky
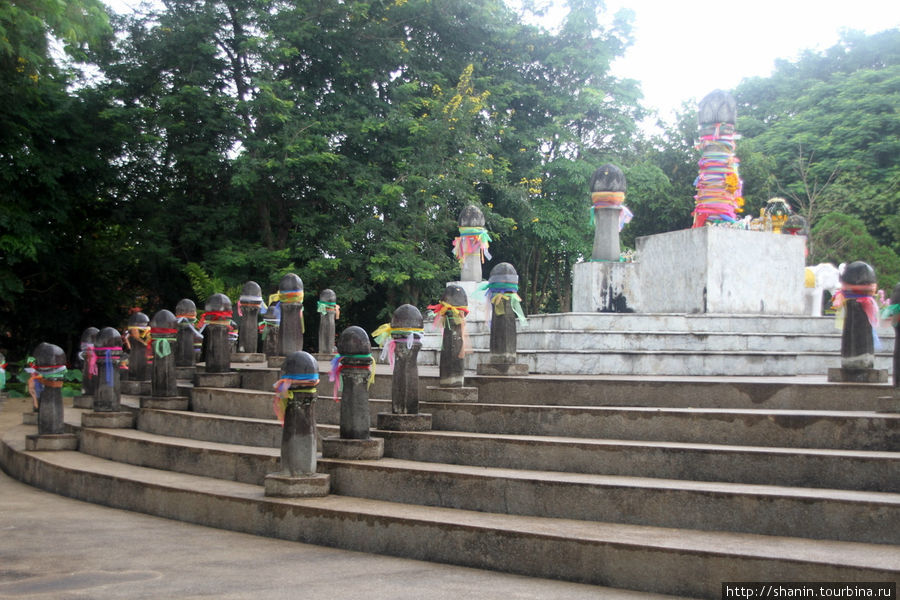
685	49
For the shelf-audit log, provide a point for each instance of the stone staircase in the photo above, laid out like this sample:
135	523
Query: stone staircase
667	485
673	344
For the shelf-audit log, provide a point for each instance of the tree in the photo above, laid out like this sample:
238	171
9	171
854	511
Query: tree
841	238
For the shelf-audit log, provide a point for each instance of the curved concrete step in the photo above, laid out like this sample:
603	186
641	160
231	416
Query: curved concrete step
685	562
841	469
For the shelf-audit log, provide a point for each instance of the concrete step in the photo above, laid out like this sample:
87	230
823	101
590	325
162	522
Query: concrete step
793	512
685	562
793	467
850	430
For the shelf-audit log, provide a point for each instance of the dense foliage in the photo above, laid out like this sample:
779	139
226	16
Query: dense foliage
211	142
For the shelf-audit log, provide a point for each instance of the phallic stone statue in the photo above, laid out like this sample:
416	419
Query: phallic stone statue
107	411
503	295
329	311
137	340
249	305
47	382
215	323
471	247
609	213
88	358
290	301
856	299
406	329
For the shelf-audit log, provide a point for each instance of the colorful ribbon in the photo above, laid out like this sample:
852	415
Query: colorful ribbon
108	358
472	241
452	315
718	185
289	297
337	366
46	376
864	295
3	376
162	340
90	357
891	313
386	333
139	332
306	384
214	317
611	200
498	291
250	302
326	307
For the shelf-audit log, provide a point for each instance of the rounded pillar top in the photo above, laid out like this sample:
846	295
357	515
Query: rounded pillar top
858	273
218	303
89	336
164	319
109	338
138	319
717	107
290	283
48	355
186	307
455	295
608	178
271	313
407	317
504	273
327	295
251	288
354	340
795	225
471	216
300	363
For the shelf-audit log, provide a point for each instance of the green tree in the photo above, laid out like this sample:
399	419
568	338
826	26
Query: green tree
841	238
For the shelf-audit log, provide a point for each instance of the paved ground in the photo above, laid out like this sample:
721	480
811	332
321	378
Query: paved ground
53	547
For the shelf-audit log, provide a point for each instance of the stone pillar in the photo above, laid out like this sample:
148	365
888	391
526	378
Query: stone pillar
107	409
893	313
351	373
249	305
137	340
718	196
88	369
188	341
451	315
2	372
856	298
50	369
215	323
607	197
502	293
329	311
289	302
296	393
269	332
471	247
406	330
164	381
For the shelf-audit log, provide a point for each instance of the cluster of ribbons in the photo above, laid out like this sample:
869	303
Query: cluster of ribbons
444	312
250	302
497	291
89	356
162	340
287	297
384	337
140	333
718	198
334	375
472	241
107	353
214	317
46	376
191	320
864	295
2	376
891	313
284	390
326	307
611	200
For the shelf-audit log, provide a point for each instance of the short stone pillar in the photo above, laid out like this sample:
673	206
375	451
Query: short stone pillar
215	324
268	331
405	332
289	306
856	301
107	411
164	381
450	316
88	369
188	341
47	382
329	312
352	371
295	405
503	294
608	213
249	306
137	340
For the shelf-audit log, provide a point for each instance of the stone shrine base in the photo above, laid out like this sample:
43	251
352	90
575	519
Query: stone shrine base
502	369
165	403
218	380
83	401
395	422
284	485
844	375
48	441
136	388
108	420
451	394
370	449
29	418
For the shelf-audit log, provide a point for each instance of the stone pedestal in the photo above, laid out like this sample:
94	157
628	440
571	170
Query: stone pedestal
275	362
217	380
136	388
285	485
349	449
51	441
108	420
502	368
397	422
849	375
83	401
167	402
29	418
453	394
185	373
606	287
248	357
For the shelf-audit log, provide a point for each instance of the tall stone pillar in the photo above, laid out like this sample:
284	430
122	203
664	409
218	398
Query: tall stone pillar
471	247
289	302
856	300
451	314
406	329
892	312
502	292
107	412
329	311
49	371
164	380
215	324
352	373
188	342
137	340
718	198
296	396
609	212
269	331
249	306
88	369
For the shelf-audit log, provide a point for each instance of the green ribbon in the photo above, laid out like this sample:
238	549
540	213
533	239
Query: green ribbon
162	346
